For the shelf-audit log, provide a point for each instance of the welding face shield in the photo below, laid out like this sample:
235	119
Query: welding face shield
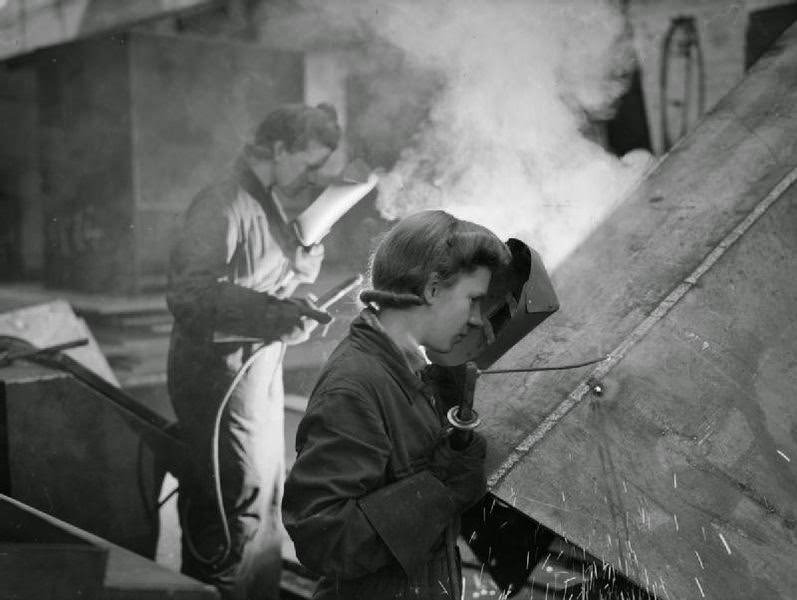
519	298
310	221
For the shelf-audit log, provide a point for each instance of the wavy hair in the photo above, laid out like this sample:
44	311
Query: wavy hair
295	125
427	243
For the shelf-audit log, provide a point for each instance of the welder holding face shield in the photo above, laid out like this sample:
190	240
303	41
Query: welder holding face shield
233	268
374	498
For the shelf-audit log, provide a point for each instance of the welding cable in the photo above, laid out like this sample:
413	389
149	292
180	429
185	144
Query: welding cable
323	304
224	552
551	368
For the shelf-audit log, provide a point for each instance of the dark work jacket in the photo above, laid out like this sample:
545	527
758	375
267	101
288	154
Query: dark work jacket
360	505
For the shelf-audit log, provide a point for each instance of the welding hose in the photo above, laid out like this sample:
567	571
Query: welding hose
224	552
318	315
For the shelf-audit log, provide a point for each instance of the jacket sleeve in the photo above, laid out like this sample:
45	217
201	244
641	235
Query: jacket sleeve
200	295
345	520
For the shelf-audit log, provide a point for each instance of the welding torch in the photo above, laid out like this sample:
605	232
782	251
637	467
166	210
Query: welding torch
321	303
464	419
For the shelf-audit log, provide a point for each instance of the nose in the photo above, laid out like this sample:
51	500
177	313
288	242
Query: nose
475	319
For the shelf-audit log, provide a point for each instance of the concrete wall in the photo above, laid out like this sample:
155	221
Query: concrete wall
129	128
85	151
27	25
21	227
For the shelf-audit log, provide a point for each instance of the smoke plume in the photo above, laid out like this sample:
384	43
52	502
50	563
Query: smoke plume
509	90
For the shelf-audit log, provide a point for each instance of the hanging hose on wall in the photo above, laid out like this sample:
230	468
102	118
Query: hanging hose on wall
683	96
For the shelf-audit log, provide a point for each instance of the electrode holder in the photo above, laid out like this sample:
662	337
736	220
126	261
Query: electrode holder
461	424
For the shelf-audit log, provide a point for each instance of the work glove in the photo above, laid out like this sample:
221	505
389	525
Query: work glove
300	333
311	317
307	308
461	471
306	263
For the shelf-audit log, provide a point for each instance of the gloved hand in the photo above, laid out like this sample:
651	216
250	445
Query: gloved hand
462	471
307	308
310	319
300	333
306	263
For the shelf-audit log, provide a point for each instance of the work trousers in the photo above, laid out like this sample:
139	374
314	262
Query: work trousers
251	466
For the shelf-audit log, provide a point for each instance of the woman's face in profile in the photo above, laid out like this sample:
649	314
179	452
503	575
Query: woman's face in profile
455	309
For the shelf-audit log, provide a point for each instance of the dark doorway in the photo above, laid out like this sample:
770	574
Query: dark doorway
764	27
628	130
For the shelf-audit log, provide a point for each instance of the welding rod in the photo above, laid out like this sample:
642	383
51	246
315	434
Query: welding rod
332	296
551	368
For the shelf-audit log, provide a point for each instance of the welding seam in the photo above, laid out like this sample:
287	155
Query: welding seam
577	395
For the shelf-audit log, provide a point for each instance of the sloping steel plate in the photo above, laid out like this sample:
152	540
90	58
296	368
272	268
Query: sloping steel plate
683	474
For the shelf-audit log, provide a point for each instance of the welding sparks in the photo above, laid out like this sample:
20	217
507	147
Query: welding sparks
675	481
700	560
724	543
786	458
675	520
545	562
664	588
699	587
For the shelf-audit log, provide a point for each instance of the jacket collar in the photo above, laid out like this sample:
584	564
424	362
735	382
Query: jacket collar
252	185
369	336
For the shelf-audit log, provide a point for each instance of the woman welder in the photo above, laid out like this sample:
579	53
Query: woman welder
374	498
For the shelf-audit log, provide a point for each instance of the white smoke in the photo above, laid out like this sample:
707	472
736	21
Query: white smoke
504	142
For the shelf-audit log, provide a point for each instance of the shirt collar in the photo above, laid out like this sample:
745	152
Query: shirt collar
413	354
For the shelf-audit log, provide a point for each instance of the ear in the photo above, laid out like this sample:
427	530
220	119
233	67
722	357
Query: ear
431	291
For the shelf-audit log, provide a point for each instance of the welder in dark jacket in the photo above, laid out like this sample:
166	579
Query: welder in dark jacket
374	498
233	267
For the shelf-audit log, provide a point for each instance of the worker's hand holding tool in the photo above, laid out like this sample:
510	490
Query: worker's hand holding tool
310	309
300	333
312	316
461	471
307	261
